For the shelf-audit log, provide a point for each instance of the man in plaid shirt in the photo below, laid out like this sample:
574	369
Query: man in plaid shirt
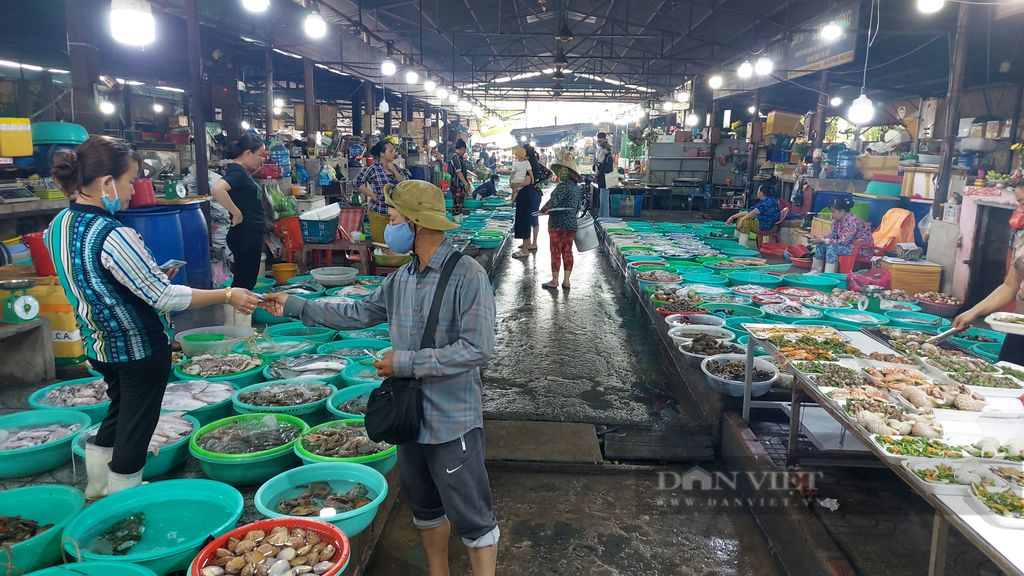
442	474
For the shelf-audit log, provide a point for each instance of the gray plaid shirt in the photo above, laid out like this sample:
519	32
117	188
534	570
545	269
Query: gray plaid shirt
450	372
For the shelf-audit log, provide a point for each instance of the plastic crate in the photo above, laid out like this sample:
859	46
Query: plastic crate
319	231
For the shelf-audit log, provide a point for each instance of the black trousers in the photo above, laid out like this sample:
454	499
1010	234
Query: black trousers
1012	350
247	249
136	390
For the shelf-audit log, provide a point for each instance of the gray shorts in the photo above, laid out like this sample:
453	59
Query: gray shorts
449	481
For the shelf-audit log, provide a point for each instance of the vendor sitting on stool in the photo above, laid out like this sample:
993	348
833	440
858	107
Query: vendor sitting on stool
847	229
487	189
767	213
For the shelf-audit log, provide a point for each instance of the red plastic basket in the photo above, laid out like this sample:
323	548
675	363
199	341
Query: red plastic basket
327	532
774	250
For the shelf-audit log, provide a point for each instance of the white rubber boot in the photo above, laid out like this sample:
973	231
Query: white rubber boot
830	268
817	266
97	460
744	240
243	320
121	482
229	315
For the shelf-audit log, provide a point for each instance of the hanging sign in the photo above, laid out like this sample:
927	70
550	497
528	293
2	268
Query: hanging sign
809	52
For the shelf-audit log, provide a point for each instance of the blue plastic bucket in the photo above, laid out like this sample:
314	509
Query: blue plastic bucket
195	237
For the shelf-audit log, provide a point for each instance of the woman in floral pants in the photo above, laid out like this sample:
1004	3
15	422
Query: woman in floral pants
562	208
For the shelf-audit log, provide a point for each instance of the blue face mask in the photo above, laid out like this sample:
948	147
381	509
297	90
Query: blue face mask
400	237
114	205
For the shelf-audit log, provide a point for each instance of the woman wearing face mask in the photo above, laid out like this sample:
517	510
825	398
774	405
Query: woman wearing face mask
1011	291
243	198
121	299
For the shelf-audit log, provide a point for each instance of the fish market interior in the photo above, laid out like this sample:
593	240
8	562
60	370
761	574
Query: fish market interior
523	287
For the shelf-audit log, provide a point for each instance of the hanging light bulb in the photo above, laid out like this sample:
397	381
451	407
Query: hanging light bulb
831	32
442	93
432	143
683	96
131	22
666	105
278	103
453	98
930	6
533	143
751	110
245	125
836	102
256	6
412	77
764	66
430	86
862	110
277	110
388	67
522	138
315	26
715	82
107	107
692	120
745	70
158	107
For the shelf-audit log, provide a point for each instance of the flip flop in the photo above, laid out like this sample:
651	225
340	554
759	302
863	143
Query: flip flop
566	286
547	286
520	254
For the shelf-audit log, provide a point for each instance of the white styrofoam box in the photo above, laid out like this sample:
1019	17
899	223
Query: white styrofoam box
329	212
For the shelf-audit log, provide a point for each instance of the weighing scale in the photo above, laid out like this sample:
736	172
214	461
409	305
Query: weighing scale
14	192
19	306
174	189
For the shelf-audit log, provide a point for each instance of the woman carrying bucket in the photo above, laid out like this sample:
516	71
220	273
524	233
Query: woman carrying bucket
121	298
562	208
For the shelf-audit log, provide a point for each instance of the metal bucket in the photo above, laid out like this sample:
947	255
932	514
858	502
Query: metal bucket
586	234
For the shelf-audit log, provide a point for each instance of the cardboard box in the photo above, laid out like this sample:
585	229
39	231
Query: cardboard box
915	277
786	123
178	121
666	138
869	166
820	226
992	129
15	137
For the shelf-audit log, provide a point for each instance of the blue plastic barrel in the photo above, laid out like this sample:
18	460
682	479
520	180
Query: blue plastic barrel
195	237
846	165
823	198
161	231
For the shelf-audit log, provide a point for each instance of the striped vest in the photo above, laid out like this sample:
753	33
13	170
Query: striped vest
117	325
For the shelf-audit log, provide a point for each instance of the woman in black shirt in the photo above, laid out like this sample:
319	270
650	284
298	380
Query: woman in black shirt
242	197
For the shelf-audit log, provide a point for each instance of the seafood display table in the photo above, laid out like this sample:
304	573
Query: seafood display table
26	352
1000	545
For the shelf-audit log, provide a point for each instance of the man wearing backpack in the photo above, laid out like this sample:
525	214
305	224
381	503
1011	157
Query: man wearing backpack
442	474
604	163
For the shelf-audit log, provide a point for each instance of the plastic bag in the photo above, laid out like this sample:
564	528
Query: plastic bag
925	226
191	182
880	277
301	174
284	206
326	176
279	155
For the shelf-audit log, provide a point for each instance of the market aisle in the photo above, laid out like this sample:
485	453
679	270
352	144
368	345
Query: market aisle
584	355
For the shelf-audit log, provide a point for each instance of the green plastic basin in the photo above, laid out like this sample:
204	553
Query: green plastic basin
646	258
95	569
95	412
209	413
844	315
812	281
171	456
740	252
46	504
181	515
319	334
261	316
730	310
308	347
33	460
755	278
339	398
310	412
988	350
915	320
342	476
382	462
358	373
262	285
960	339
841	278
353	348
239	380
245	469
378	332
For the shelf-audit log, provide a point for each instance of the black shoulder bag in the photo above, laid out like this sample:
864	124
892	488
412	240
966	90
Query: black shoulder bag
394	411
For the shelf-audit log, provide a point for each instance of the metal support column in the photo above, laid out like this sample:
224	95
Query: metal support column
269	58
84	57
956	86
1015	123
357	114
196	110
310	122
754	136
819	125
369	108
